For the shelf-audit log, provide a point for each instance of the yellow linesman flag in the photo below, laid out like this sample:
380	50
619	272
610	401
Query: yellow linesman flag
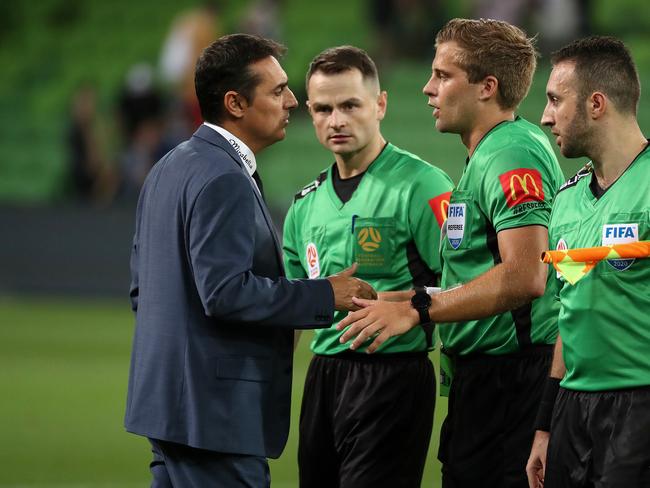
574	264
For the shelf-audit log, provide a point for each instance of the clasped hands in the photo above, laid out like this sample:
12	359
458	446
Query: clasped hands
369	317
346	287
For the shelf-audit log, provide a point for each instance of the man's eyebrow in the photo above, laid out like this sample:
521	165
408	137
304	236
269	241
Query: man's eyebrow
351	100
318	106
281	85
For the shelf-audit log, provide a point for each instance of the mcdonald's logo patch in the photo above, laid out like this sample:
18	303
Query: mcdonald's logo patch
440	205
522	185
369	239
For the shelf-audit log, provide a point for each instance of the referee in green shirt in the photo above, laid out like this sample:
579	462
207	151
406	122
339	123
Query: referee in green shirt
366	420
499	322
600	422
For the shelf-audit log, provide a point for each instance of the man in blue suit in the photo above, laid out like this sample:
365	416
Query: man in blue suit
210	377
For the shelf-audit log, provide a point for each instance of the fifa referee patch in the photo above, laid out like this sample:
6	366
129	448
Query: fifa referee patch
620	234
521	186
456	224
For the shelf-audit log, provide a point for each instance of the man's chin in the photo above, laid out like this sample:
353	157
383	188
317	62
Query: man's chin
338	148
440	127
571	152
282	133
272	139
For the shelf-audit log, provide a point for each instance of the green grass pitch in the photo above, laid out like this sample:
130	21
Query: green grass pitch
63	374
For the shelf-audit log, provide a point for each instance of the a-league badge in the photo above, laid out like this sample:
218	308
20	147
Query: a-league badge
456	223
372	246
620	234
312	261
561	246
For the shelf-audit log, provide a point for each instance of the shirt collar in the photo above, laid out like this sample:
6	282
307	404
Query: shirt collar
245	154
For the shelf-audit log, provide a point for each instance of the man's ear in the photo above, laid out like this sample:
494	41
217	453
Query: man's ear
489	87
382	104
235	104
597	105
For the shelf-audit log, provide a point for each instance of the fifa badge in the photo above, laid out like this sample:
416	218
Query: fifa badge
620	234
456	223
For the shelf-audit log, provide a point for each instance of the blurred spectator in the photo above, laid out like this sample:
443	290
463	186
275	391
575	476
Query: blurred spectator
190	33
262	18
140	115
512	11
561	21
556	21
405	28
90	177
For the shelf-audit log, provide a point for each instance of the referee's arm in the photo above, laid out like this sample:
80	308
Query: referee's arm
536	465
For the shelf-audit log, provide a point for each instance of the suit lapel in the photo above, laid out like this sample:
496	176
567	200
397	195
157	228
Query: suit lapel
213	137
269	223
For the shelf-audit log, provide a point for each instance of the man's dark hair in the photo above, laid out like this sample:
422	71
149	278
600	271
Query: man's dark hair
336	60
603	64
225	66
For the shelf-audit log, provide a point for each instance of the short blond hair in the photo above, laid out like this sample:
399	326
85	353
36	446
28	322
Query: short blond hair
497	48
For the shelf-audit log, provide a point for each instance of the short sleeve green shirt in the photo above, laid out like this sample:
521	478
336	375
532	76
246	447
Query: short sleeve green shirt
509	182
605	317
390	227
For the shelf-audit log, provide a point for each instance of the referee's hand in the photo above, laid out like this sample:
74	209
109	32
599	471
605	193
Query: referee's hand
379	320
536	466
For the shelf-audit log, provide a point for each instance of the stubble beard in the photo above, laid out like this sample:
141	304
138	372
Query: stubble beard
579	139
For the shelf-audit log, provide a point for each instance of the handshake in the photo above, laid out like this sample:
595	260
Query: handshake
346	286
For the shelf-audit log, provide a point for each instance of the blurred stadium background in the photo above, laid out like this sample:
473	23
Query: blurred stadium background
65	326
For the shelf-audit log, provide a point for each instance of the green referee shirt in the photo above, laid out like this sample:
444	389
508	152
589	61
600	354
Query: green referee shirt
509	182
390	227
605	317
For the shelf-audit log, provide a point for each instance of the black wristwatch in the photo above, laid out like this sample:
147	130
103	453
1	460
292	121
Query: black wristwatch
421	302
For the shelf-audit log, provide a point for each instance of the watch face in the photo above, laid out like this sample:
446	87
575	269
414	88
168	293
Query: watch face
421	300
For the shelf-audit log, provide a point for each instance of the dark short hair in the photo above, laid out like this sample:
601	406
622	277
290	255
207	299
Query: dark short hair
225	65
339	59
497	48
603	63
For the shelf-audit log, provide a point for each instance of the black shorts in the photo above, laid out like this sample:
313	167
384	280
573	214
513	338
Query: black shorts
485	439
366	420
600	440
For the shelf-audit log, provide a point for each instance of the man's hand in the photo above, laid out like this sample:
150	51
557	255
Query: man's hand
386	319
395	296
536	466
345	287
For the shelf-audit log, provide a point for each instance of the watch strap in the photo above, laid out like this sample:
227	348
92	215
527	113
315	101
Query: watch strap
422	309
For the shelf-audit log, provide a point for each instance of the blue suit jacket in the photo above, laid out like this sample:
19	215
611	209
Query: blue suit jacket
213	346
